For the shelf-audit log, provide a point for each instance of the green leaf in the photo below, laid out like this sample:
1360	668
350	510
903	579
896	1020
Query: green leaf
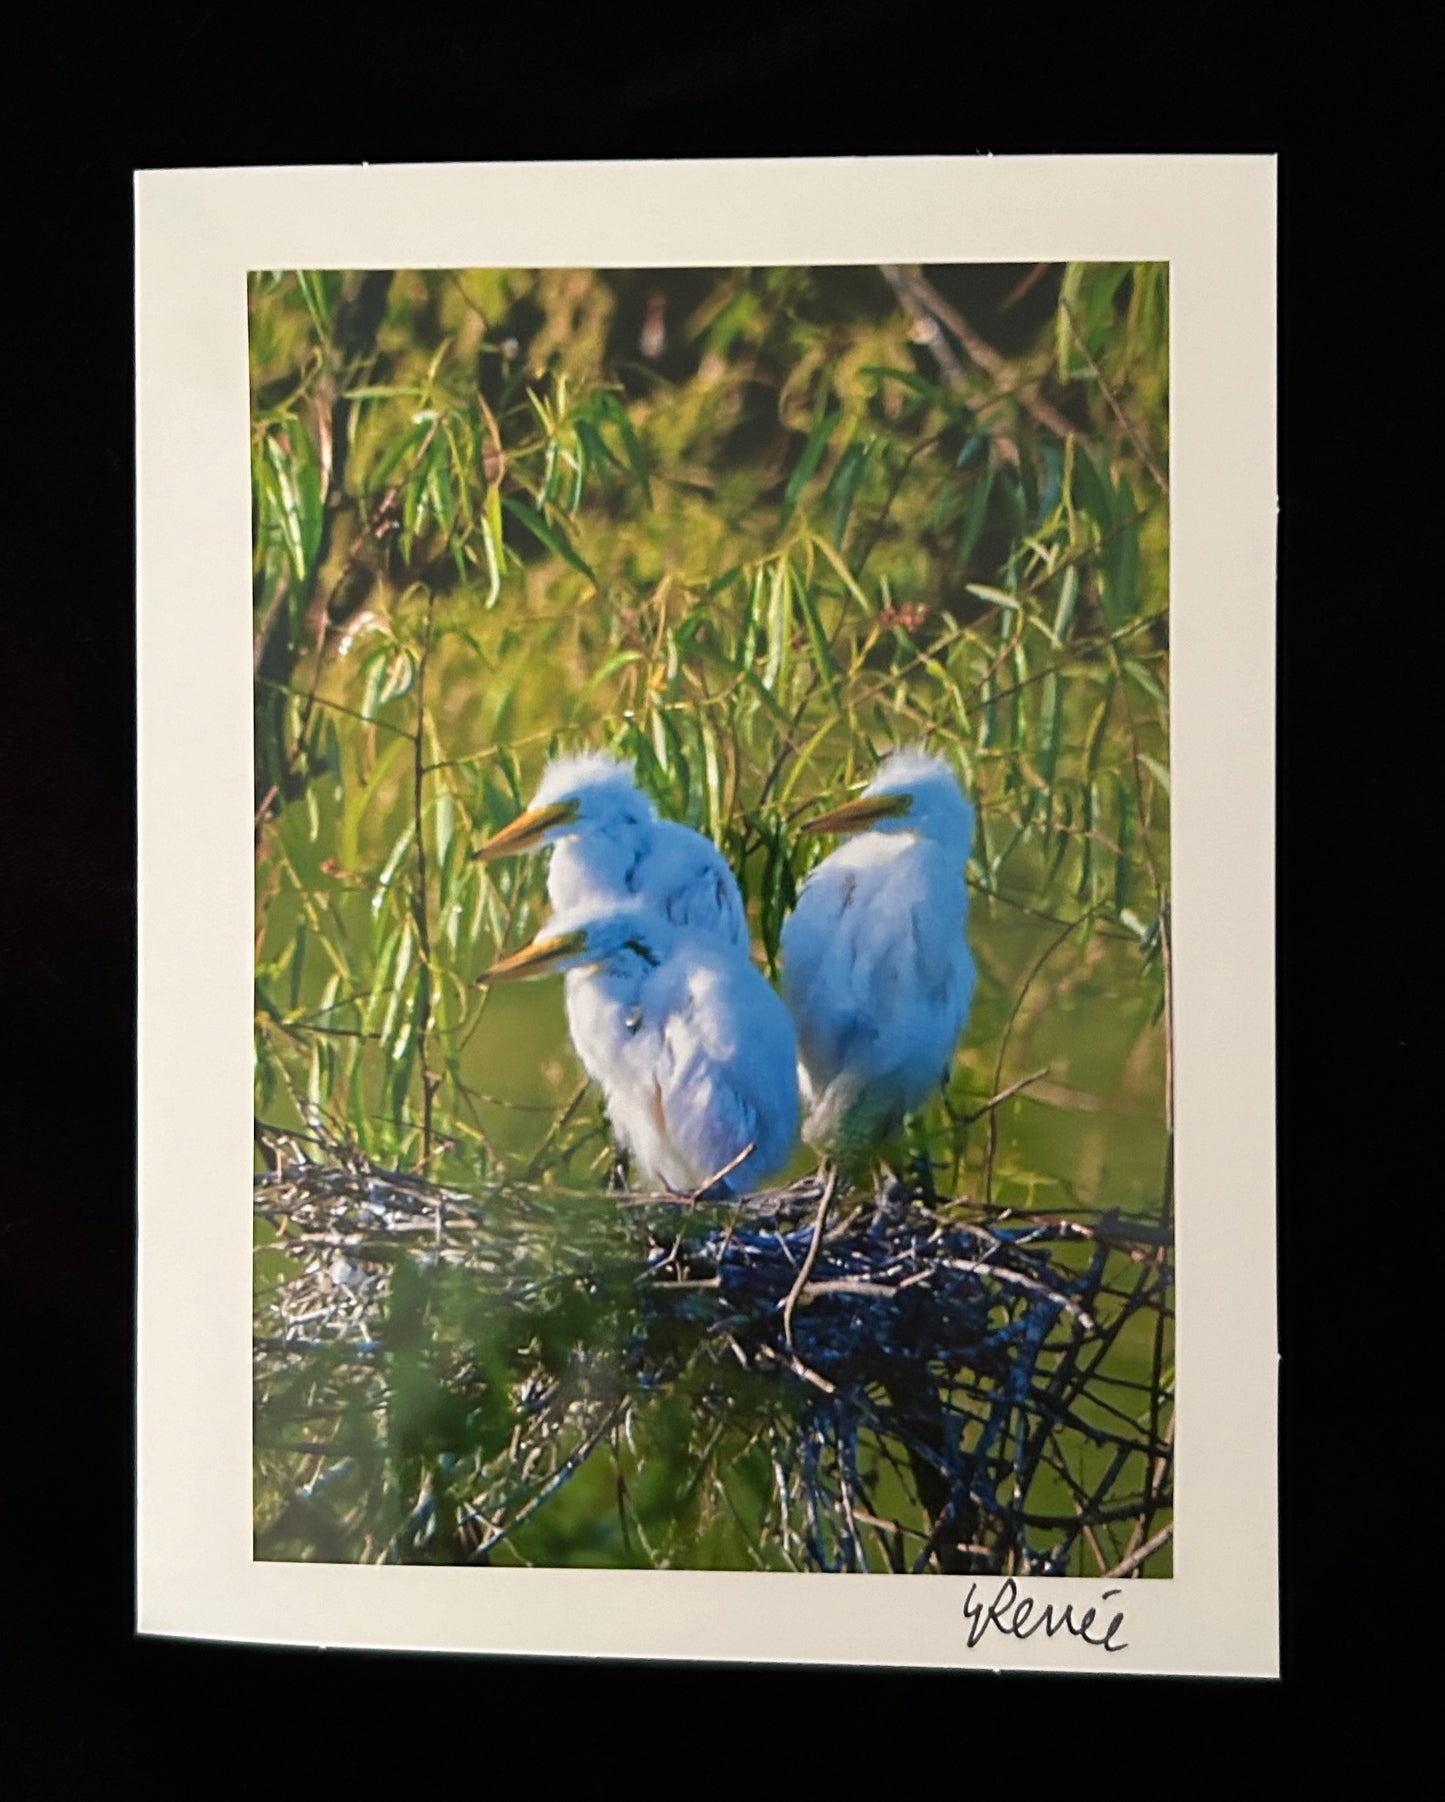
779	626
492	550
403	1054
618	661
849	580
362	798
377	391
439	491
616	413
493	516
915	383
402	448
1125	839
384	881
712	769
808	462
595	445
843	486
977	511
376	666
995	596
1120	590
1049	724
443	823
288	506
406	946
549	473
313	292
379	995
1145	680
1093	493
400	675
1063	331
718	583
545	535
459	876
298	964
822	656
1068	601
1094	737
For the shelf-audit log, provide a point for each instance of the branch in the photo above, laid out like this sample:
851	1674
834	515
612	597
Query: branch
912	283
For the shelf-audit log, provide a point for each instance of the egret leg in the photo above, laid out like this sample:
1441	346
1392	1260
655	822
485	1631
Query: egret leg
619	1177
919	1162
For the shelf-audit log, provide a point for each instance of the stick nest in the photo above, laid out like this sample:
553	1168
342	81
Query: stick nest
939	1389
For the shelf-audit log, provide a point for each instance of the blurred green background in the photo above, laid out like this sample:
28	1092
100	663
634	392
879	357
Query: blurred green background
751	528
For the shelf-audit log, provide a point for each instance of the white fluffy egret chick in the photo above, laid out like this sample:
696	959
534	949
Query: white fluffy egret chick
608	845
694	1052
876	970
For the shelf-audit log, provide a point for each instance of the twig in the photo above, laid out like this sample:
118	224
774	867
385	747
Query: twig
1161	1463
1127	1566
1134	437
1003	1274
1017	292
1004	1094
1019	999
829	1190
726	1171
1004	376
568	1468
696	1196
552	1132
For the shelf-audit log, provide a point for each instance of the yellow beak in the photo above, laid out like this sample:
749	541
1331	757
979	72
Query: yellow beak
536	959
528	830
853	816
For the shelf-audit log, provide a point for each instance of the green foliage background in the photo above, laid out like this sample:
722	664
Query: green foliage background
750	528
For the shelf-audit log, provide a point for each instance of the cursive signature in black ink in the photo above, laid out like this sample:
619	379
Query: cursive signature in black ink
1022	1617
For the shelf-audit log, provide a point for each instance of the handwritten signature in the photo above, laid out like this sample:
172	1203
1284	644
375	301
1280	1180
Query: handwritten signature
1023	1616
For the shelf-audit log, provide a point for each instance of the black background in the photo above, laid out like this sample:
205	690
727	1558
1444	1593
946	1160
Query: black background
90	1709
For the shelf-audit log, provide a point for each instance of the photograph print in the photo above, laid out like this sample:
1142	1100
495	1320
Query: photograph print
712	938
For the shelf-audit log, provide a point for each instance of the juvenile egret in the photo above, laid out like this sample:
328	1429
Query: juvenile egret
608	845
694	1052
876	970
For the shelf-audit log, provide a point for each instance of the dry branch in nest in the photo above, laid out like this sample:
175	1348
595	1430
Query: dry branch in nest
936	1390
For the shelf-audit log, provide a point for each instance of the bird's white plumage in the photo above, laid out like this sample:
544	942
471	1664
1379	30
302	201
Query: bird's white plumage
876	968
693	1051
617	848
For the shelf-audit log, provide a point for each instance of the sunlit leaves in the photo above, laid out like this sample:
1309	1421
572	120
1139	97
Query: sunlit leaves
555	561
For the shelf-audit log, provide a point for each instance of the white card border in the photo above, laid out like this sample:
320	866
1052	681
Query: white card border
197	233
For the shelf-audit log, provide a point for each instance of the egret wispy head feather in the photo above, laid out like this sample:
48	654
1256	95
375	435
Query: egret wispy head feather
589	790
597	781
911	791
610	847
876	969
